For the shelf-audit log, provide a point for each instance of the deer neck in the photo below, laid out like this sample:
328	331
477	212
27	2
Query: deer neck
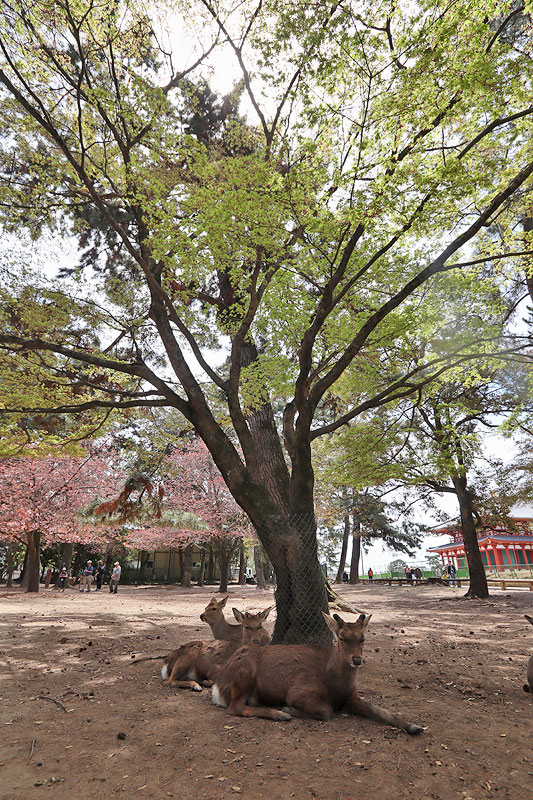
219	628
340	673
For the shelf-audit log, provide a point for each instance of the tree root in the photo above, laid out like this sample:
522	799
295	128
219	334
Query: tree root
335	601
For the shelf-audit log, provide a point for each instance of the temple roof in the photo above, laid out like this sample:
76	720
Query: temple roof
497	538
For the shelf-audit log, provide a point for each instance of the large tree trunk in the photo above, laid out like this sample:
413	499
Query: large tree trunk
23	577
108	564
143	558
356	552
79	558
211	565
224	570
142	565
478	580
186	566
279	502
258	563
300	588
33	564
344	548
280	505
65	551
202	568
9	565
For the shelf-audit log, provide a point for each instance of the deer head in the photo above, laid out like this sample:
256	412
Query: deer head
252	624
350	637
213	610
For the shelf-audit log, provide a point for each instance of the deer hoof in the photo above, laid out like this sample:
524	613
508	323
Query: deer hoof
283	716
196	687
526	688
413	729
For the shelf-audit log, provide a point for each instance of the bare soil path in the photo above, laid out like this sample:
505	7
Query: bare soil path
452	665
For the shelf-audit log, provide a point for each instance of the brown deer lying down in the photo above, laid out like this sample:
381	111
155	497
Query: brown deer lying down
316	681
221	629
528	687
198	662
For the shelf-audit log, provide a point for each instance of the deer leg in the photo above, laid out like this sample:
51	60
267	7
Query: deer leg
183	668
238	708
308	704
194	686
242	688
356	705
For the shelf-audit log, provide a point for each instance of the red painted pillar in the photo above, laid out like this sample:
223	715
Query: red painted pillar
498	558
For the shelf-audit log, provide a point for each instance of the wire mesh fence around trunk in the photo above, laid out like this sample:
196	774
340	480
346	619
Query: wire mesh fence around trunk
300	588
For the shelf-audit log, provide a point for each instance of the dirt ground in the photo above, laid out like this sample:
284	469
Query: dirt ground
453	665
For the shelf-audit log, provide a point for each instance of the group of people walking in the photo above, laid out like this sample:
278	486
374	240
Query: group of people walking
89	573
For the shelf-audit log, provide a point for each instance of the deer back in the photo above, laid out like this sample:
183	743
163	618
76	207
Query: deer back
214	654
273	675
204	659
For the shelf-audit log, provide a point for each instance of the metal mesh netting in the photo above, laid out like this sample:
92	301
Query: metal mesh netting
300	588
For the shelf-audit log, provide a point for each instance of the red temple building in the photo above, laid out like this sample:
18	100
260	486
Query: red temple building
500	549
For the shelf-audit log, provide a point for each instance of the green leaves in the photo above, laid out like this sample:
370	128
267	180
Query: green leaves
309	212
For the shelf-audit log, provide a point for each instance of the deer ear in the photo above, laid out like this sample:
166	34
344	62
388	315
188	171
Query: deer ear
332	623
364	620
264	614
529	619
239	616
339	619
223	602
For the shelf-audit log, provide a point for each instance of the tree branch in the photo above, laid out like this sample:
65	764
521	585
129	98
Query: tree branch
438	265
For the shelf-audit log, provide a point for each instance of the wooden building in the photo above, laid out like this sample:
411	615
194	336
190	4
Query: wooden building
164	565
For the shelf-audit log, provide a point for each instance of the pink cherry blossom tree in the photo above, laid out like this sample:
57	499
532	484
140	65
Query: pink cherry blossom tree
181	501
194	482
43	499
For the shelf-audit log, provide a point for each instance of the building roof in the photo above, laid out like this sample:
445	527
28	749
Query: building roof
503	538
455	527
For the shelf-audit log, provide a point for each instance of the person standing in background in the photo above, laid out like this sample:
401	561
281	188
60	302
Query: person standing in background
100	569
63	575
115	578
452	574
87	577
